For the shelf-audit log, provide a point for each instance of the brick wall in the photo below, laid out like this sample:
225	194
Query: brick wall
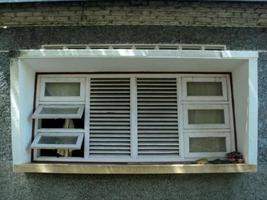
126	13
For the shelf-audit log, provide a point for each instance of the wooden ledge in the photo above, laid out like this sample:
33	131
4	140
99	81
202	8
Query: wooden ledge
74	168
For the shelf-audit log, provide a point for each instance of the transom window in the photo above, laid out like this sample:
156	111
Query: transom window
132	117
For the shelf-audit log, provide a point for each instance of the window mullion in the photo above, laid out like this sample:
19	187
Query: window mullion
87	118
180	116
133	109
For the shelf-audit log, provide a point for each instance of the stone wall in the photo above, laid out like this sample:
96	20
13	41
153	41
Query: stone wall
135	12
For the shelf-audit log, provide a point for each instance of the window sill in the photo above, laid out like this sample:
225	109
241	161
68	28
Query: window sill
133	168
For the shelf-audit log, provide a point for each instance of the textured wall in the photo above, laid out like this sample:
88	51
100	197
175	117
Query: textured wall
71	187
149	12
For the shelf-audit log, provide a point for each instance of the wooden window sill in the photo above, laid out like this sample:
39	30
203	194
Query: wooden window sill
74	168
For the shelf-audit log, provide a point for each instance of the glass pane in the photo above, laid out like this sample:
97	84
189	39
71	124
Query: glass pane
58	140
204	89
62	89
53	110
207	144
206	116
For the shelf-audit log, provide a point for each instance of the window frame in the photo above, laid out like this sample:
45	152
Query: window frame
206	134
180	102
52	79
209	106
204	78
67	133
242	65
37	113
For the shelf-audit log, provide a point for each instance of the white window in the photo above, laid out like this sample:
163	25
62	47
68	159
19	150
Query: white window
207	144
133	118
62	89
58	111
204	88
122	115
57	140
206	116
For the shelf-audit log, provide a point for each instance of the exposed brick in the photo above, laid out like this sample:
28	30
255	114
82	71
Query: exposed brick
122	13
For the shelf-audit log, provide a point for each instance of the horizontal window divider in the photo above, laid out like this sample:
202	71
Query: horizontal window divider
207	131
62	102
202	102
60	130
208	134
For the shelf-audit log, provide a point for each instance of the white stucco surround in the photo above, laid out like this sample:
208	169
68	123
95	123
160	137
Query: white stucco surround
242	65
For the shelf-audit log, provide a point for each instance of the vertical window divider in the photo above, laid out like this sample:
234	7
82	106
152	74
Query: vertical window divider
180	116
35	151
87	118
233	140
133	117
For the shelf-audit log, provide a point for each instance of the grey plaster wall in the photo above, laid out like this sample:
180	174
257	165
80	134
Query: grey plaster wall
71	187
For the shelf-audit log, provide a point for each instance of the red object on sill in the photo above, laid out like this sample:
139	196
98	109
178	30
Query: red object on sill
235	157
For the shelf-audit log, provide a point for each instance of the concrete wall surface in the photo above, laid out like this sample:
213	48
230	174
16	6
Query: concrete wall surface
70	187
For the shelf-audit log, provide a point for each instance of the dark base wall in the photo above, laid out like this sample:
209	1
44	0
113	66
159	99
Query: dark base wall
72	187
234	38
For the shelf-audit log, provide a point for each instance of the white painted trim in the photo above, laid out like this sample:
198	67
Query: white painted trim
252	136
35	144
87	118
133	118
180	117
79	53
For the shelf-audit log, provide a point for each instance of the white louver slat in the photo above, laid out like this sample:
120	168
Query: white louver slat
157	117
110	117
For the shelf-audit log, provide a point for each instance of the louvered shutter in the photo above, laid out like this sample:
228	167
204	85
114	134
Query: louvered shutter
157	117
110	116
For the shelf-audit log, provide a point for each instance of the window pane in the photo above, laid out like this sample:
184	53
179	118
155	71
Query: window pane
58	140
62	89
207	116
209	144
204	89
53	110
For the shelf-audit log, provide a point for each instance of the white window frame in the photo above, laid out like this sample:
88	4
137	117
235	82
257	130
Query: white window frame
204	78
133	117
241	64
35	144
45	80
209	106
201	134
37	114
